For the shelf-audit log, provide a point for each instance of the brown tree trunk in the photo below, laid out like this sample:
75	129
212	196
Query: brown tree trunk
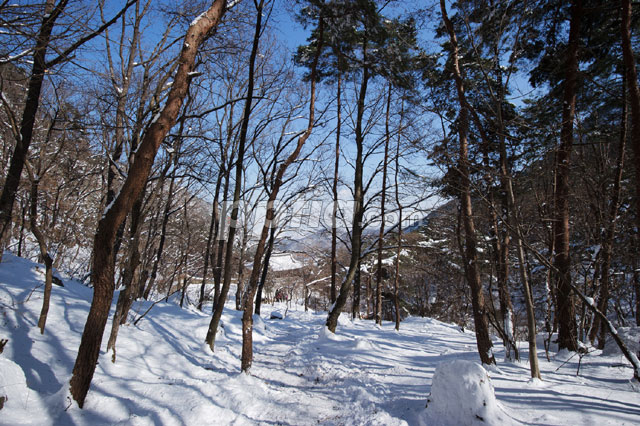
358	204
265	269
240	281
252	286
130	279
567	332
383	199
211	239
357	289
396	281
220	252
471	268
44	252
220	300
102	269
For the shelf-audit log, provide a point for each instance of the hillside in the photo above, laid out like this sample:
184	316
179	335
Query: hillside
164	374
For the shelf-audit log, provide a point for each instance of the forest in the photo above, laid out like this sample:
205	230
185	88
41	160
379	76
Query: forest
228	174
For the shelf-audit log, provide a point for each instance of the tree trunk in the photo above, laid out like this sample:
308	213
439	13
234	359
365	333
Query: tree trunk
163	236
130	279
265	269
210	240
383	199
220	250
185	255
102	269
357	289
358	204
470	253
247	315
567	332
396	281
44	253
220	300
334	212
607	246
240	285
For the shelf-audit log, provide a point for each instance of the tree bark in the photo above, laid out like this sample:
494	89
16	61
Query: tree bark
471	257
102	268
567	329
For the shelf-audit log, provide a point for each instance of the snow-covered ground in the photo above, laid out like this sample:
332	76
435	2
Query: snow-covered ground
164	373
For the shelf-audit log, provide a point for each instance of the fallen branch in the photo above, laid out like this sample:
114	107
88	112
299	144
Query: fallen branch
152	305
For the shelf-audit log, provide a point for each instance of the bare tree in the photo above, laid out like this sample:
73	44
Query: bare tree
102	270
52	12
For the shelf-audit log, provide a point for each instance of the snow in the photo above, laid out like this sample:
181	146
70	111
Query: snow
462	394
283	262
302	374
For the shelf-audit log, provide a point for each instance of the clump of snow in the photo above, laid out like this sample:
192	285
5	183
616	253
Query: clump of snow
462	394
276	315
326	335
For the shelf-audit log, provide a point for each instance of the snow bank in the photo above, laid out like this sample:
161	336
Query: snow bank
462	394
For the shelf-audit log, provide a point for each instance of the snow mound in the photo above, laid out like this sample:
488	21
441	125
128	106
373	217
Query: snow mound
462	394
364	344
629	335
326	336
276	315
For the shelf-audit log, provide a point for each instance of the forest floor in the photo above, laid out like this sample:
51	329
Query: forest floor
363	375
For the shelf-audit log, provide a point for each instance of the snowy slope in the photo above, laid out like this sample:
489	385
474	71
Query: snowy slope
164	374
